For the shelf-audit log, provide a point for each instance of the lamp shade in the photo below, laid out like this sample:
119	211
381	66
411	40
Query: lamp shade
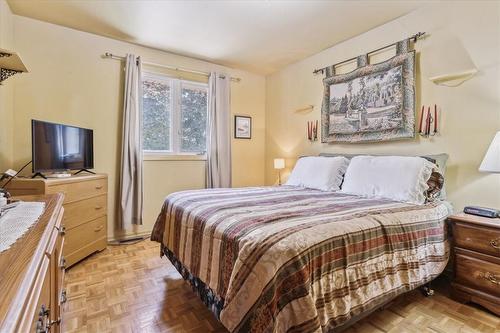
491	161
279	163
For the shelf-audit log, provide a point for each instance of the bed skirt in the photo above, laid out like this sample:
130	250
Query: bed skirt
207	295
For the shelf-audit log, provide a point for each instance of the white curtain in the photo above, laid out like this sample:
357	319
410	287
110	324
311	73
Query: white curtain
219	131
131	180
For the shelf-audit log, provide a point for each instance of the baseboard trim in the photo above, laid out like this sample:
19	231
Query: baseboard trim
129	239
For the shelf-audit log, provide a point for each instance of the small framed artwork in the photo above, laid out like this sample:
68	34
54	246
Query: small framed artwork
242	127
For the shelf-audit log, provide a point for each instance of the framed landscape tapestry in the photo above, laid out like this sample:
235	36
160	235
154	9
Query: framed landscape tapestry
373	102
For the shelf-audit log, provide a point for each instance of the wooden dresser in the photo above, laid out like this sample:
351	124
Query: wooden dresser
85	205
32	274
477	260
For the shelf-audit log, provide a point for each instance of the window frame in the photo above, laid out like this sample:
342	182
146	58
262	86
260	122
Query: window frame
176	84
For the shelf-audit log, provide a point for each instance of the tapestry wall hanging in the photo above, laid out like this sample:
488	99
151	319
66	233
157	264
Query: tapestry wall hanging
371	103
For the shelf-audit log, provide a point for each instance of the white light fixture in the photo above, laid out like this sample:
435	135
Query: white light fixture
279	164
491	161
444	59
10	64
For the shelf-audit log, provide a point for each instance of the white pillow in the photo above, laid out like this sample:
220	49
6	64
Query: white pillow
322	173
399	178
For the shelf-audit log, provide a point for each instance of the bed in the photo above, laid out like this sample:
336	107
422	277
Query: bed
290	259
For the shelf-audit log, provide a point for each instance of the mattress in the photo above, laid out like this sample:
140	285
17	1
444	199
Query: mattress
289	259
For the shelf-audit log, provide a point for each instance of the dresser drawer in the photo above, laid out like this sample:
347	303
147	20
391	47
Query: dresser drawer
80	190
40	299
480	274
477	238
80	212
84	234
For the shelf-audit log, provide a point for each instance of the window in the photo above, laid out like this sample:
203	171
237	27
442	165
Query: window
174	115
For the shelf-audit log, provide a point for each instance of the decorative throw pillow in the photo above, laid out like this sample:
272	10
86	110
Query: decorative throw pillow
322	173
435	183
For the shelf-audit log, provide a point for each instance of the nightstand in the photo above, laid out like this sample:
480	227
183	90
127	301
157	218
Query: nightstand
476	246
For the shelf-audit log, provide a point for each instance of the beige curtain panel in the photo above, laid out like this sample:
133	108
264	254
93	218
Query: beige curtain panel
131	176
219	131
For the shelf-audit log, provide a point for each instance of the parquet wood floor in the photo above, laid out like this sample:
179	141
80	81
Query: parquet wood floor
129	288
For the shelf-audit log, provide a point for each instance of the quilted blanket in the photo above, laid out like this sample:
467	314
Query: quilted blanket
288	259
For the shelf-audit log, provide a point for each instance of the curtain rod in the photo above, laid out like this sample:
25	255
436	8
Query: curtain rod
415	37
180	69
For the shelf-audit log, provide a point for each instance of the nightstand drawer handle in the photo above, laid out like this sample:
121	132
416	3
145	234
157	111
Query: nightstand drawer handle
490	277
495	243
99	228
98	187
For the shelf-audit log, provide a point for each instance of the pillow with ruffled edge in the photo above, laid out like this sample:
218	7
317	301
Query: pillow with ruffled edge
399	178
438	159
321	173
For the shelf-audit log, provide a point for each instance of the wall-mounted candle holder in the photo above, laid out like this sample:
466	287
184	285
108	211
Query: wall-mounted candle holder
312	130
428	122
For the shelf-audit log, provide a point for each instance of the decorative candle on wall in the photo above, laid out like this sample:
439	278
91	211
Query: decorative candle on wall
312	130
428	125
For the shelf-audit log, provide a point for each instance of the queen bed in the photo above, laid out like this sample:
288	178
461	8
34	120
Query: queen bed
294	259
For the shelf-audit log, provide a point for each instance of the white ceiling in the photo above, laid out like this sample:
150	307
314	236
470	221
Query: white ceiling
259	36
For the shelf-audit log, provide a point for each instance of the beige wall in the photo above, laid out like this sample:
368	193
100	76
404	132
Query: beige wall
470	112
6	90
69	82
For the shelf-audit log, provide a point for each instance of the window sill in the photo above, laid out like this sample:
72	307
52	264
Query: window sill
173	157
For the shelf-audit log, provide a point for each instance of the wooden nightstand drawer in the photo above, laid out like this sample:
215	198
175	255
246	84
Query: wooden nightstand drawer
84	234
80	190
80	212
477	260
477	238
478	273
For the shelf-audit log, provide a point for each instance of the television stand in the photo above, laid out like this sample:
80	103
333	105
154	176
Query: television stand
84	170
39	174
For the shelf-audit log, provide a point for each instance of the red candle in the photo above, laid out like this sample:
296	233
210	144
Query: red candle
428	124
421	119
435	119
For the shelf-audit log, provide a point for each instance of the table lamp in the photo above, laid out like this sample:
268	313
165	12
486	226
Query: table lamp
279	164
491	164
491	161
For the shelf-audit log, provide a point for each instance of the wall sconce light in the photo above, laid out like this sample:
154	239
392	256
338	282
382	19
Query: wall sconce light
445	61
10	64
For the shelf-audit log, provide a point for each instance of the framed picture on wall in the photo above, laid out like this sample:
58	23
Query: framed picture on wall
242	127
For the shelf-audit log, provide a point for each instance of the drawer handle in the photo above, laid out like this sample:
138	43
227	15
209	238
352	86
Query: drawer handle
64	298
98	187
62	230
97	207
495	243
43	322
490	277
55	322
62	264
44	312
99	228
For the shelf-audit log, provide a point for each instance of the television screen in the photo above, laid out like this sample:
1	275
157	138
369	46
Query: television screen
57	147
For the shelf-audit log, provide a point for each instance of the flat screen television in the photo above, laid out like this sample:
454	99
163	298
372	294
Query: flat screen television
58	147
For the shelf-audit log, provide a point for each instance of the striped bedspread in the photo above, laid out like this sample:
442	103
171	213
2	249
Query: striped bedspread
287	259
